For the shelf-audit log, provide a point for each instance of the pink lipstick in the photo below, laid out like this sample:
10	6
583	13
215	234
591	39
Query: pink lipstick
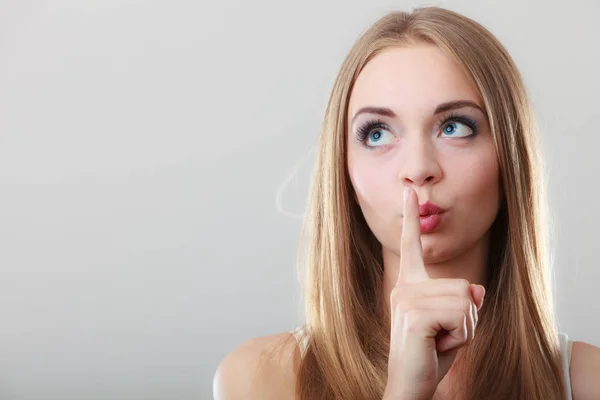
430	217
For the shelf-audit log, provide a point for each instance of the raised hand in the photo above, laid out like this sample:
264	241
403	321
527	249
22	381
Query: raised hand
431	319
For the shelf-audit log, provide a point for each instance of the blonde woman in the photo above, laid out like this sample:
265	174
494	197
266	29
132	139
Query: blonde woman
425	244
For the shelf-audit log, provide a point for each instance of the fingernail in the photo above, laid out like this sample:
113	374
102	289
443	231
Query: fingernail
405	193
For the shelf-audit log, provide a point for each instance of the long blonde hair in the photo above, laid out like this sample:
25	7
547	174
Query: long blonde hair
516	352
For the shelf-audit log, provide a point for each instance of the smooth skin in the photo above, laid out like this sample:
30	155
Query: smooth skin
456	173
431	318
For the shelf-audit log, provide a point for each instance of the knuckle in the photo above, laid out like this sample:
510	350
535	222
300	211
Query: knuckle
462	322
459	317
465	306
464	287
465	337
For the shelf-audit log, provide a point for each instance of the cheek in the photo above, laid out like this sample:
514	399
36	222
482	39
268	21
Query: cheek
475	184
376	189
372	184
481	179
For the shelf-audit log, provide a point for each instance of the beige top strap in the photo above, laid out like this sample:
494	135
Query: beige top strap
565	347
570	350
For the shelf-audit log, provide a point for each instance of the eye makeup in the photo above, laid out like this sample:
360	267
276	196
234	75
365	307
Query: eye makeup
377	126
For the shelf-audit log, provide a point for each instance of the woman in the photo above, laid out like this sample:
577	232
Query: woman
428	196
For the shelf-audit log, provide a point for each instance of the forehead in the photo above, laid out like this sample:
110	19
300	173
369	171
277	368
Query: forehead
411	79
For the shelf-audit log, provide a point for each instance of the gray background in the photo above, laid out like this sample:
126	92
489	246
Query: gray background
154	160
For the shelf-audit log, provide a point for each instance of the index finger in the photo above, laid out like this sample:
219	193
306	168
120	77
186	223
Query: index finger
412	266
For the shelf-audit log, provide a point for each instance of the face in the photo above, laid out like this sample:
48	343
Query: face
404	139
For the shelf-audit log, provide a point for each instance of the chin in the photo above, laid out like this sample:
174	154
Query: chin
436	251
441	246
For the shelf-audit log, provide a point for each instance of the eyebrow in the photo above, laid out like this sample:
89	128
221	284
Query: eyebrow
451	105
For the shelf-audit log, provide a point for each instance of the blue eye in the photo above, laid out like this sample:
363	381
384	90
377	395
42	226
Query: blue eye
374	134
459	126
376	137
456	129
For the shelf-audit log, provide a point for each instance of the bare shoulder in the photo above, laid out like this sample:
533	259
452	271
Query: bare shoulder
260	368
585	371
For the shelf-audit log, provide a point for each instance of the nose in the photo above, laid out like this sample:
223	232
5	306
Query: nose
419	164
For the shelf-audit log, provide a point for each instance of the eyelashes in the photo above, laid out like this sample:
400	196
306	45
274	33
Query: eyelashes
462	119
364	130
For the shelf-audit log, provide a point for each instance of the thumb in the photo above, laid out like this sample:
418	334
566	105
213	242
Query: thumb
478	293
